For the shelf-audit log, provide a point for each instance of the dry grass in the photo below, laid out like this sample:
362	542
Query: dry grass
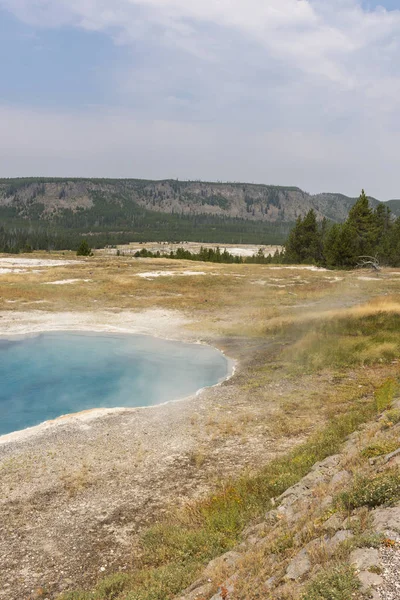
312	351
77	479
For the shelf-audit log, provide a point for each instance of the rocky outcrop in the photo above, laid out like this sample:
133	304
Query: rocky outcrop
309	507
48	198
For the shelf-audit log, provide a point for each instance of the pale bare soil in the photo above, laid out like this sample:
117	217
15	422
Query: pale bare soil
244	250
75	495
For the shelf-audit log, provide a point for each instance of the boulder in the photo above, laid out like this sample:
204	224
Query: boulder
341	479
393	458
198	593
387	521
270	583
369	580
328	463
228	560
299	566
226	590
326	502
340	536
334	523
364	558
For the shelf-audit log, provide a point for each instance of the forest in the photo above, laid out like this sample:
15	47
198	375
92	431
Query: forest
368	236
368	232
106	225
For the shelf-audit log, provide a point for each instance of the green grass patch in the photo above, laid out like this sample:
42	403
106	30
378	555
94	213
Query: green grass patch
337	583
379	449
384	395
346	342
382	489
393	416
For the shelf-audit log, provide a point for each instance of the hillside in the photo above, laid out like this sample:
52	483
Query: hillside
140	210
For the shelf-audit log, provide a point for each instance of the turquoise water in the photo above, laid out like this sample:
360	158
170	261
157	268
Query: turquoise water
52	374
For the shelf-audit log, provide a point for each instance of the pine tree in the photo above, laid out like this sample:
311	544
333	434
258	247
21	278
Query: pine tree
383	230
340	247
393	244
84	249
304	242
362	225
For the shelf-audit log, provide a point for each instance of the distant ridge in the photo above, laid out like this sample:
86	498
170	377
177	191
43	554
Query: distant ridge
167	209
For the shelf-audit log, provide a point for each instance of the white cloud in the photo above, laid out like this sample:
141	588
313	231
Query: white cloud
308	88
316	36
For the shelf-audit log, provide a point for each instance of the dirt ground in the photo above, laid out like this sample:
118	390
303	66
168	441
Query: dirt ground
194	247
75	494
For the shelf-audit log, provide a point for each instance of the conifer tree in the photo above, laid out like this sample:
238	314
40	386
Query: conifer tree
362	225
84	249
340	247
304	242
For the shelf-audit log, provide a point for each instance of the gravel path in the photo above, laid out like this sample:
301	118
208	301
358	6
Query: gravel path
390	559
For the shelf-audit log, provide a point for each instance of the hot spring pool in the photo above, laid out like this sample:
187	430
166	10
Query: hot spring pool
52	374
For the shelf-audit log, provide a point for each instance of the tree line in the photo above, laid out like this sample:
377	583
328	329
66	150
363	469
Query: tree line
213	255
367	232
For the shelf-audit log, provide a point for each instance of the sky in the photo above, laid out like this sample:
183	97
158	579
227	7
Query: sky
283	92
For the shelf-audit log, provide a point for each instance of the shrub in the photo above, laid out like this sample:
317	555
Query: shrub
337	583
84	249
383	489
393	416
374	450
111	587
384	395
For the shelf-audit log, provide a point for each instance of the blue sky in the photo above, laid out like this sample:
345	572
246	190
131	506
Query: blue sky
296	92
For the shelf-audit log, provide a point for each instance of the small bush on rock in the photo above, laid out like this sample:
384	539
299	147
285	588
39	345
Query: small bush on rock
337	583
393	416
378	449
383	489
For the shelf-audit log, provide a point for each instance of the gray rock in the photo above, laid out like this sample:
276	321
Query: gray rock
369	580
326	502
198	593
293	493
254	535
288	513
315	478
226	590
364	558
386	519
394	536
335	522
299	566
393	458
339	537
328	463
196	584
270	583
341	478
271	517
352	437
351	522
258	530
316	545
229	559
